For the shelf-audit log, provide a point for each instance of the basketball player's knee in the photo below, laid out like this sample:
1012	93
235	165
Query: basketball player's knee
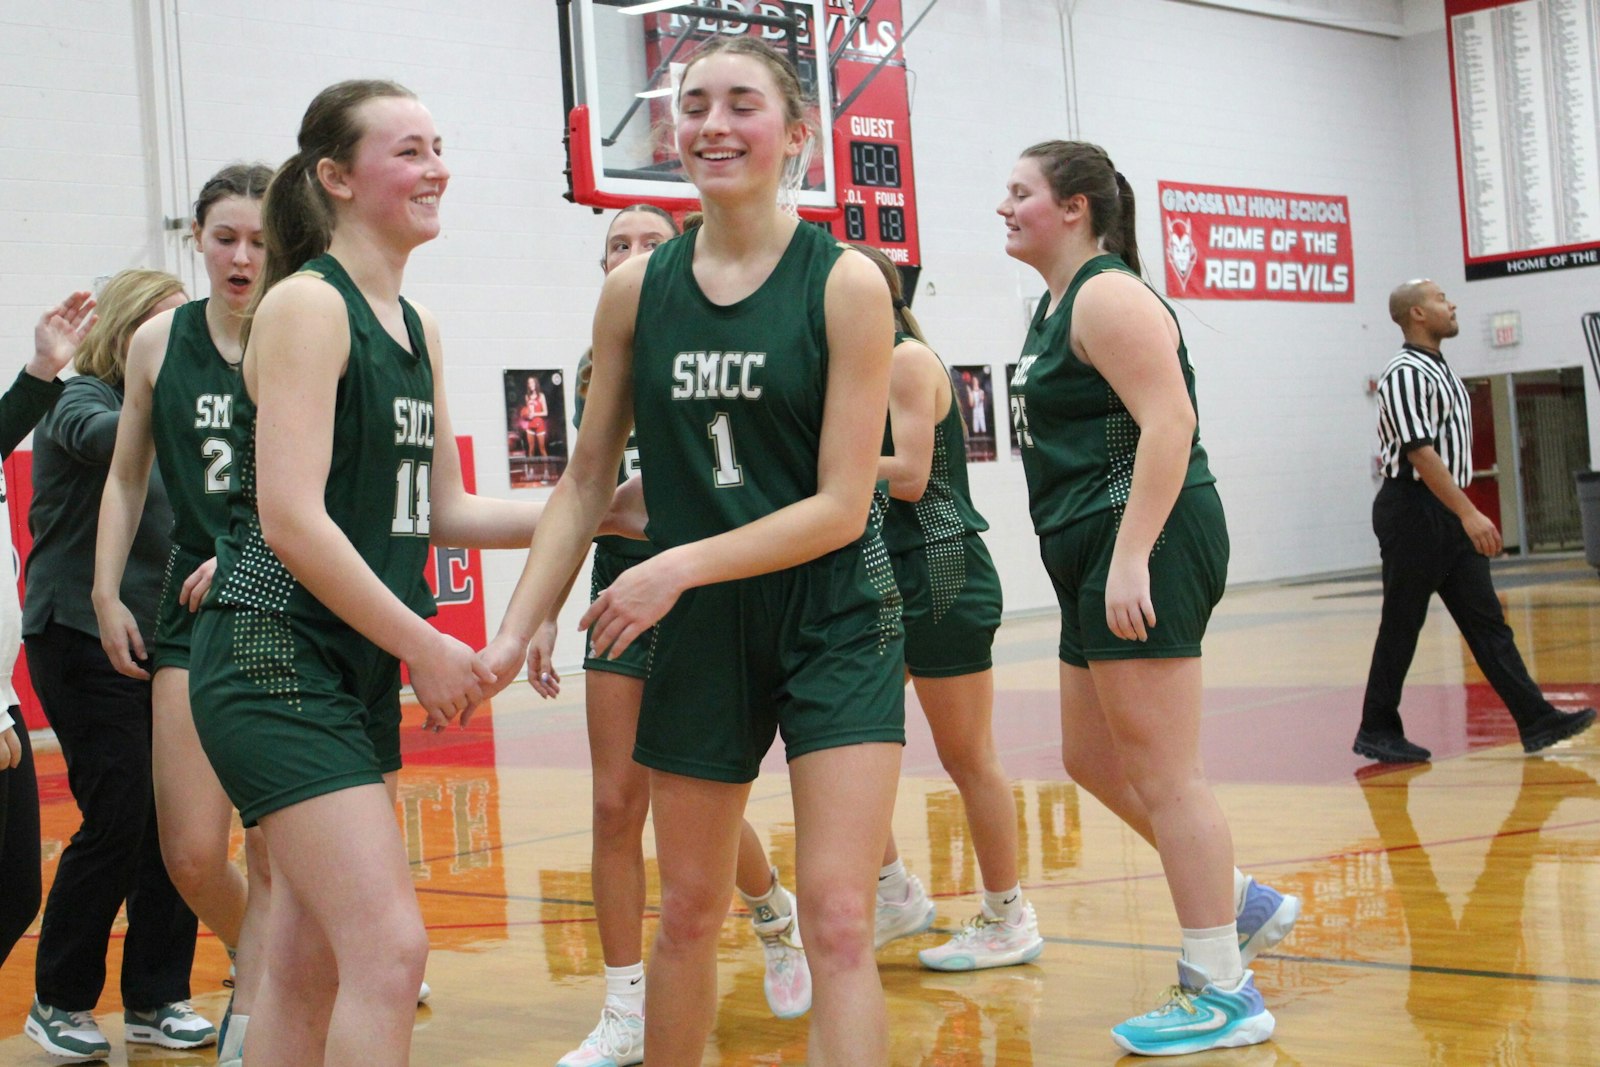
972	765
392	952
838	926
691	914
1082	767
619	814
193	867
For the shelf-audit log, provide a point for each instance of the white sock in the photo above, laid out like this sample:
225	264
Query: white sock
1215	950
1241	885
892	884
773	900
1007	904
625	987
234	1047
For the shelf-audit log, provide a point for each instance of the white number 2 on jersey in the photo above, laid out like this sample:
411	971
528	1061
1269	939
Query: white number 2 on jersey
218	454
412	498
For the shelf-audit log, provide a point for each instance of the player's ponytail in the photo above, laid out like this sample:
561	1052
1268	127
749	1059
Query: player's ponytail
1077	168
1125	242
297	215
904	321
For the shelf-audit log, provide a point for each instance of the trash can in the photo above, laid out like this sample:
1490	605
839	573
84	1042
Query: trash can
1589	512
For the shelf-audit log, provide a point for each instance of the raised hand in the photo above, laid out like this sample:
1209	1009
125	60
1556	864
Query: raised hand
59	333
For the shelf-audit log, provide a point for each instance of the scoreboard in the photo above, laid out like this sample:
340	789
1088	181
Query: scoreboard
872	136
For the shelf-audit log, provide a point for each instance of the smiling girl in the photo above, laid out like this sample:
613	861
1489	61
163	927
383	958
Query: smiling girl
319	591
753	356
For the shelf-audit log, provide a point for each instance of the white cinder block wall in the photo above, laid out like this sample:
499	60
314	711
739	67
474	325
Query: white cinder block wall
90	101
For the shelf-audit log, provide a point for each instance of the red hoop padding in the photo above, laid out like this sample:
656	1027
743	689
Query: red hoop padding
586	192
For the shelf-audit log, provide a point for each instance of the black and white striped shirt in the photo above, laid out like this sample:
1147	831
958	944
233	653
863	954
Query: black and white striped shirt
1422	402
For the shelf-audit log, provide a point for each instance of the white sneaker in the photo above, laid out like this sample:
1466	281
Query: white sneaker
172	1025
423	993
617	1042
988	941
910	916
788	979
70	1036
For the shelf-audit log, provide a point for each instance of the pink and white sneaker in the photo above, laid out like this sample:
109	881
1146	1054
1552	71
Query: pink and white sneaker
788	979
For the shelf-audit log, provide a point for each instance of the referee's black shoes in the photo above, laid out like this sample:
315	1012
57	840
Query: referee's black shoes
1389	748
1556	726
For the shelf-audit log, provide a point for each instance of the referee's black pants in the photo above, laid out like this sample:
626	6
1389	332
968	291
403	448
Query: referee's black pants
1425	551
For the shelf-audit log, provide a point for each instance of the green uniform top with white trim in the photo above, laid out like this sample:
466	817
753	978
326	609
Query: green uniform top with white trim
378	482
191	414
1078	439
626	547
732	395
945	512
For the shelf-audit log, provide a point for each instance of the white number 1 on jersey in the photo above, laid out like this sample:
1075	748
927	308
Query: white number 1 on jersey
720	431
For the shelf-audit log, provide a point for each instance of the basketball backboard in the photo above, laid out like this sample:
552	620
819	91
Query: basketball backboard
621	60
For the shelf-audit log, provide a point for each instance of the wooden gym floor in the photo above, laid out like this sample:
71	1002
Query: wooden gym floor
1450	909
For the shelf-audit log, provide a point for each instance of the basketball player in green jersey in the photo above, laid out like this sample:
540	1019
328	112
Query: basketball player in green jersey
1133	536
319	591
776	605
177	410
613	692
952	609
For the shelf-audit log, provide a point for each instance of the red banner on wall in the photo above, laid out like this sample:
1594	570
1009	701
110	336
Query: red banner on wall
1224	243
454	574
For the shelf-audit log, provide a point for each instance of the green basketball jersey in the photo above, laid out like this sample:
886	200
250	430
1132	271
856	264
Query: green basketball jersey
945	512
728	400
1078	440
378	484
626	547
191	413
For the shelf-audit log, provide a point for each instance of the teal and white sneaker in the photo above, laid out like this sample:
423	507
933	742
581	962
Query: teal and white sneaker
909	917
987	941
70	1036
787	982
1266	919
1198	1015
173	1025
617	1042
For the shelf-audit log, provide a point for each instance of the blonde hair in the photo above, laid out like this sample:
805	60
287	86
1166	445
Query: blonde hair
903	319
120	309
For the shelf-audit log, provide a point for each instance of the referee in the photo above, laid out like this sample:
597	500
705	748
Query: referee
1434	541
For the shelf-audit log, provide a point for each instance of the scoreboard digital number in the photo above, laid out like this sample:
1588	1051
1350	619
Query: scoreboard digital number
874	165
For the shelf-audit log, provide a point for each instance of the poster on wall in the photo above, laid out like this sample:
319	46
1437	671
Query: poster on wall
1525	82
536	427
1226	243
975	400
1014	406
